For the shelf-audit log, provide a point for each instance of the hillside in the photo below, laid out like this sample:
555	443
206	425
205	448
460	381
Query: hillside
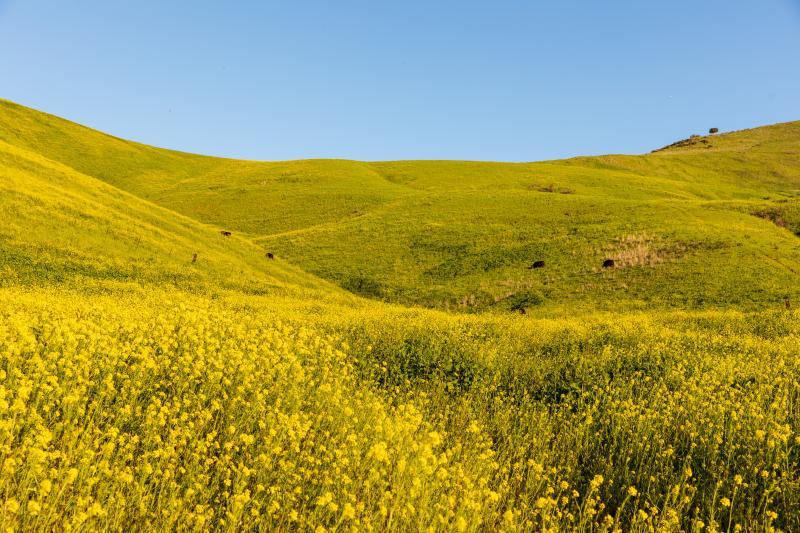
63	227
461	234
712	224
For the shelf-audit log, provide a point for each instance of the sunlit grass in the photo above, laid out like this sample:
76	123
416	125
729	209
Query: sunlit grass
157	375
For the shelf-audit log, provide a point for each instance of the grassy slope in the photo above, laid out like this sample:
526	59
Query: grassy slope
61	226
246	196
461	234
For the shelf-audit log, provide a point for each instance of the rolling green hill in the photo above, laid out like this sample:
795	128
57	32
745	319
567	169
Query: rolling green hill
63	227
712	223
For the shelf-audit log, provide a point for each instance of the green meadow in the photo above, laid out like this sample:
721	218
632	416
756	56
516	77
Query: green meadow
689	228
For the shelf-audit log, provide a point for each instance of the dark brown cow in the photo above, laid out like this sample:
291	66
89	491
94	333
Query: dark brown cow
537	264
608	263
712	131
225	233
194	258
270	255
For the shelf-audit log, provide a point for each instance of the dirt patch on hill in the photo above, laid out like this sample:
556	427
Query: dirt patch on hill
644	250
785	216
695	141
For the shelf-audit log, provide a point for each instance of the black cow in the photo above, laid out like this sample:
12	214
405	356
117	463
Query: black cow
225	233
608	263
537	264
712	131
270	255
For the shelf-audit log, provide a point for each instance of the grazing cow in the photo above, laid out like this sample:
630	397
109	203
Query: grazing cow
537	264
194	258
225	233
270	255
608	263
712	131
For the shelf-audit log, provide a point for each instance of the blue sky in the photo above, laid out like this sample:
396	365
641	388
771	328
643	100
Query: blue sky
414	79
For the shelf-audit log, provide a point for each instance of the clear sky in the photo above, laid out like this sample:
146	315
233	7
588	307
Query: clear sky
512	80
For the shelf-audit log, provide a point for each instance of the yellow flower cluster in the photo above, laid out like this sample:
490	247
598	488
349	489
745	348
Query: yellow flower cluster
162	410
192	416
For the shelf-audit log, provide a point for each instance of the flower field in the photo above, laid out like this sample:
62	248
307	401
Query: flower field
152	409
